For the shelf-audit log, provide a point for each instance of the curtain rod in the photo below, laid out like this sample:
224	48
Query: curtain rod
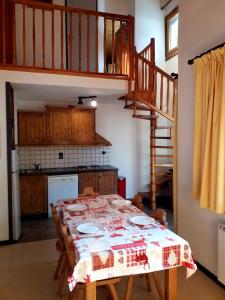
191	61
165	5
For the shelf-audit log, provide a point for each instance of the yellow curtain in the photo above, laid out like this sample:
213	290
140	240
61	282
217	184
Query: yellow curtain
209	131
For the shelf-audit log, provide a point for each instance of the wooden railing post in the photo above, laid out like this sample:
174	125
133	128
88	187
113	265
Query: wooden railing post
152	43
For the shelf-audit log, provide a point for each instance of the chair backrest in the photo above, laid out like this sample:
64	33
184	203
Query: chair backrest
57	222
88	191
137	201
160	215
69	246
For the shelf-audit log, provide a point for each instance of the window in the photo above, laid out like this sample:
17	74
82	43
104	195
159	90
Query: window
171	31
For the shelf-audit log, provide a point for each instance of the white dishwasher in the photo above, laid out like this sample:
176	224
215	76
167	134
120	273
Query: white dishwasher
61	187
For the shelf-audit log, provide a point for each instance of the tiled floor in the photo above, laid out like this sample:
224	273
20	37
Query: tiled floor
26	273
37	230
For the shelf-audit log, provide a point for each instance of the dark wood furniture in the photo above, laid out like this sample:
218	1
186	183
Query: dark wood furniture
34	195
32	128
59	126
105	183
82	122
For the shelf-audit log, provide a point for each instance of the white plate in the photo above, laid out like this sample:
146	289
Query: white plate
141	220
76	207
121	202
88	228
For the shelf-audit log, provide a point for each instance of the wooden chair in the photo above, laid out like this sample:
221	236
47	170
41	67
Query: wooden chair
159	215
80	287
137	201
62	265
88	191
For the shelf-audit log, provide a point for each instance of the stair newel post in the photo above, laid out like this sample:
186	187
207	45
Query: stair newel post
152	196
152	43
136	86
152	87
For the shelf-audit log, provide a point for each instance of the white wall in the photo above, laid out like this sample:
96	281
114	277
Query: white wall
124	7
118	126
149	23
201	28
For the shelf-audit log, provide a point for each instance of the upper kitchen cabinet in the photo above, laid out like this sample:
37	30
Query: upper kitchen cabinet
58	126
32	128
82	126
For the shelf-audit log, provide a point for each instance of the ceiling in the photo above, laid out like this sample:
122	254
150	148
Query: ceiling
35	92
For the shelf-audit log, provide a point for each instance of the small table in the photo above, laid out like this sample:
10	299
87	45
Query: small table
126	242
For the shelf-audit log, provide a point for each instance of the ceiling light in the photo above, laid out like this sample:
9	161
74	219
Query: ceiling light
94	103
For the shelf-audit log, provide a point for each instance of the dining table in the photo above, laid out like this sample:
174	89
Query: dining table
113	238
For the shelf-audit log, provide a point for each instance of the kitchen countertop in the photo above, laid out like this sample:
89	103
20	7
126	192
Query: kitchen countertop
64	171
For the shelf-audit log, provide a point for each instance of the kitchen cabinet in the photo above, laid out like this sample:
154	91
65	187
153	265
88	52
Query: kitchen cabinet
88	179
33	195
32	128
107	183
82	126
103	182
58	126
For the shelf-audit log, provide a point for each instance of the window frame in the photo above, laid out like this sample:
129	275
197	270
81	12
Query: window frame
169	53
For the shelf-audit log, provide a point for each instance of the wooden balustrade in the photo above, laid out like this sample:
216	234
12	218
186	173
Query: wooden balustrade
155	87
54	37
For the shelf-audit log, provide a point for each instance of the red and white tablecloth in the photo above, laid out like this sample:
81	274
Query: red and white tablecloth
120	247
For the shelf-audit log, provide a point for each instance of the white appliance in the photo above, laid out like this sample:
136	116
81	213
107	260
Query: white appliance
61	187
15	196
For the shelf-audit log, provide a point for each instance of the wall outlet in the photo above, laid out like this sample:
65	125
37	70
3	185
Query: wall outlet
60	155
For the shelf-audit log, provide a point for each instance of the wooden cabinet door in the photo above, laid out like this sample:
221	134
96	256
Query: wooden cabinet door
33	195
88	179
82	126
107	182
58	126
32	128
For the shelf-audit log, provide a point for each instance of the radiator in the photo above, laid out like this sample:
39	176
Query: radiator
221	253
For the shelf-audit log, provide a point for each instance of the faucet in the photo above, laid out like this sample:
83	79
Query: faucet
37	166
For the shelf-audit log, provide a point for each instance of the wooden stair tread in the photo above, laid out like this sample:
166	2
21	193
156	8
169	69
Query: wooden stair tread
145	117
162	137
163	165
161	127
162	156
136	106
161	147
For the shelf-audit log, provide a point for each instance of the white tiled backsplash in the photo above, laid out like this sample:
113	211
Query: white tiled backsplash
48	157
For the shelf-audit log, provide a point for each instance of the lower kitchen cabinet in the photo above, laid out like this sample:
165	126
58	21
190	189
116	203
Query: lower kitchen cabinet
107	183
103	182
33	195
88	179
